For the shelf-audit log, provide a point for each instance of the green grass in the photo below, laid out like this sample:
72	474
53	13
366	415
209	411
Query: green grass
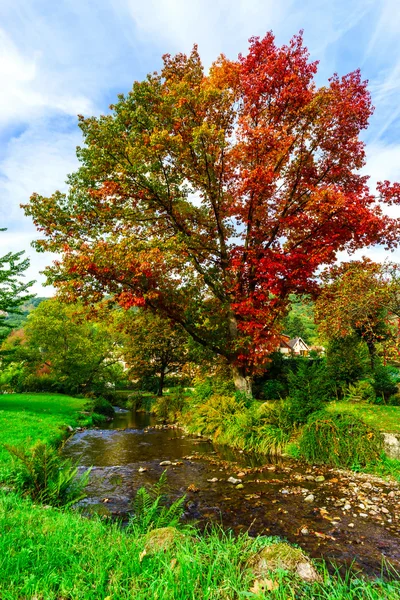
54	554
28	418
384	418
50	554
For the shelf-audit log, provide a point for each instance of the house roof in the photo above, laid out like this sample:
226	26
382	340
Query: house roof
296	340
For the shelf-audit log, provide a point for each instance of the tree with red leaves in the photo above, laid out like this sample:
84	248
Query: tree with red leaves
209	198
362	299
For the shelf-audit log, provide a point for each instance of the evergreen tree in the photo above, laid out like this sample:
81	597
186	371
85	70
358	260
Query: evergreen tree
13	292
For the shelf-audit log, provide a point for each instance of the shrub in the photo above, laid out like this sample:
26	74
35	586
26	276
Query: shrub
102	406
273	389
40	383
95	420
151	509
394	400
384	382
44	476
10	377
361	391
170	406
339	439
309	388
347	360
239	422
205	388
212	417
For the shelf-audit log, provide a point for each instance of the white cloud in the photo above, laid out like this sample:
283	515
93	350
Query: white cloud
225	25
383	162
17	242
58	59
37	161
217	26
24	93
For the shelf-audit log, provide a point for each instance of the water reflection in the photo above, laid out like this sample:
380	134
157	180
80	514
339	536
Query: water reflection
125	455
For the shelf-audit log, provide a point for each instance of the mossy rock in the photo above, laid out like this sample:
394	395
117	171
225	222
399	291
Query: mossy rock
161	539
282	556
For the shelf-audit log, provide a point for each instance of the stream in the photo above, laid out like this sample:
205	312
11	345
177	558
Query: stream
345	518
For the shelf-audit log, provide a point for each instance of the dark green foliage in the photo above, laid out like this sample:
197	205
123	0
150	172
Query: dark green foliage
44	476
13	293
17	320
384	382
361	391
273	389
95	419
204	389
309	389
273	384
214	385
148	383
170	406
339	439
347	360
140	400
300	320
151	509
103	407
46	382
295	327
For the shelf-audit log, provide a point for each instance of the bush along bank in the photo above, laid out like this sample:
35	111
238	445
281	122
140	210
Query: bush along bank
54	553
51	553
302	425
46	419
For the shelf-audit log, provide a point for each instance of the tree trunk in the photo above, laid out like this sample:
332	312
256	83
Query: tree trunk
243	382
161	382
372	353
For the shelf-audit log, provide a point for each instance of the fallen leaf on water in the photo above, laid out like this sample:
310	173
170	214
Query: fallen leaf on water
193	488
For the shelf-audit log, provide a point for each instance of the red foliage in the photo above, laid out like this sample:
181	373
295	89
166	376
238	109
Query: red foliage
275	163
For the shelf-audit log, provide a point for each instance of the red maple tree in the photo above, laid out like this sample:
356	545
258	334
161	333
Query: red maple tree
209	198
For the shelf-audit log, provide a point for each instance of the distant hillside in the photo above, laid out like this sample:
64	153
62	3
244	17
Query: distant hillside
300	320
17	321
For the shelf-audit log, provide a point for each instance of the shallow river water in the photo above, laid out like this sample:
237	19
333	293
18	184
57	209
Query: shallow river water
343	517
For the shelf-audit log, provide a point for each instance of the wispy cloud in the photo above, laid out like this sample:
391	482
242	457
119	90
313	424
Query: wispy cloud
62	58
23	95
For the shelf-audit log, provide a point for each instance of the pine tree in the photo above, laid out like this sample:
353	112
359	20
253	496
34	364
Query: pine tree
13	292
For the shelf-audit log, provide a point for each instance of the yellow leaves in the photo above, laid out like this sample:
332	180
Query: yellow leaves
142	555
263	585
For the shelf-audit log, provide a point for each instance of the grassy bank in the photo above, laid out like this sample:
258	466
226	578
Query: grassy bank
50	554
340	434
28	418
384	418
54	554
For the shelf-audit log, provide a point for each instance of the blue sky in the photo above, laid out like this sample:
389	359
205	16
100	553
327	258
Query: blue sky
58	59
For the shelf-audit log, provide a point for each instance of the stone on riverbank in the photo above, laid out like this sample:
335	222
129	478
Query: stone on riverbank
283	556
234	480
160	540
